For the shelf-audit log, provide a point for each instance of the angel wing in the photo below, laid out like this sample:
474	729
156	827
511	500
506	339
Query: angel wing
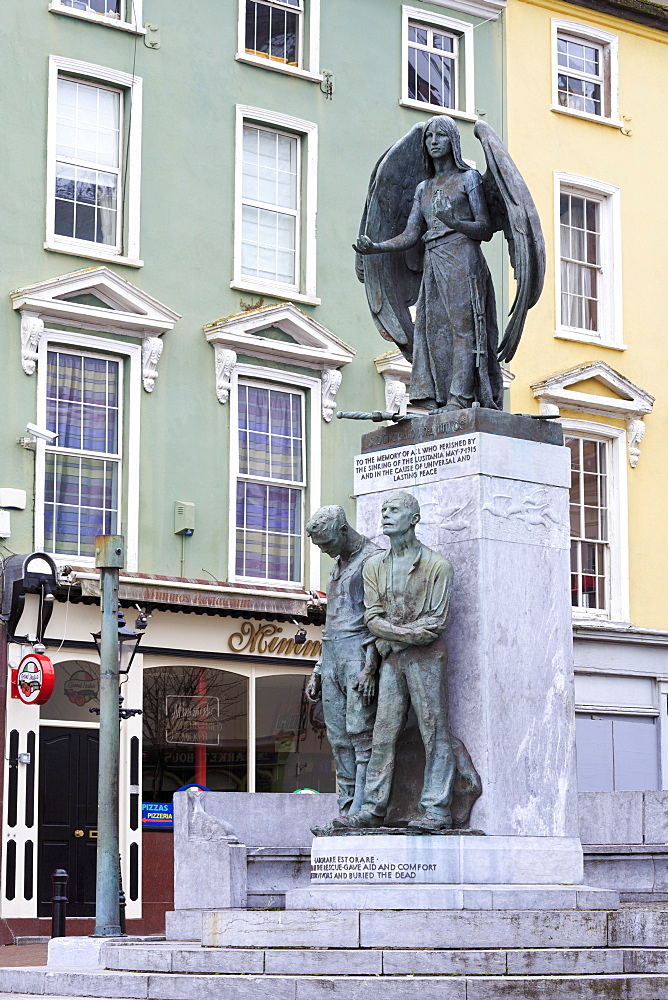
512	209
392	280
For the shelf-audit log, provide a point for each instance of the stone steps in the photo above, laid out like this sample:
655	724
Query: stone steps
370	955
375	962
451	929
141	986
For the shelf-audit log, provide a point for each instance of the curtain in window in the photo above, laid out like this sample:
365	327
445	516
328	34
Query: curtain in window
80	489
269	516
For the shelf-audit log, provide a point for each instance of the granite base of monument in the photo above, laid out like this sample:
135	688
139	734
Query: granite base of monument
493	495
404	872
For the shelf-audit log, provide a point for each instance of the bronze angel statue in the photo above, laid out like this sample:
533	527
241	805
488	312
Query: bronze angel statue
426	214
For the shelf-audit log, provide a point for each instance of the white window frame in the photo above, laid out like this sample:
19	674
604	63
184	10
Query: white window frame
117	171
610	52
271	377
304	289
129	216
56	449
618	523
465	86
128	505
310	28
276	209
610	332
131	18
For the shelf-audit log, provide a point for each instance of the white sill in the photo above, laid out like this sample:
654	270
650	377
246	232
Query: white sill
582	338
596	119
583	617
108	22
261	584
82	251
302	74
437	110
275	292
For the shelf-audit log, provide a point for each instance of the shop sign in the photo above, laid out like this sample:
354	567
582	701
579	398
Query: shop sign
81	687
157	815
33	679
192	718
160	815
268	639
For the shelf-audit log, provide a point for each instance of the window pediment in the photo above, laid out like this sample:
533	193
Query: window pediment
618	397
93	299
306	343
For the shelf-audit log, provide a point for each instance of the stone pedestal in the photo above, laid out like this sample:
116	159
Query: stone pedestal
493	492
209	861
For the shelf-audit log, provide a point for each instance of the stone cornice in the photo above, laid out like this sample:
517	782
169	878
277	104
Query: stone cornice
652	15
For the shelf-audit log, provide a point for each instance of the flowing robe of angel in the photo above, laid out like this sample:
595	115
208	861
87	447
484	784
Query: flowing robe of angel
456	336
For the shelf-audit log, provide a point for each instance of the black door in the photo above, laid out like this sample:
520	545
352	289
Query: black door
68	765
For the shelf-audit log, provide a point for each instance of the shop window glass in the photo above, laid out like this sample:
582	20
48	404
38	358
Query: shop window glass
195	731
291	746
76	691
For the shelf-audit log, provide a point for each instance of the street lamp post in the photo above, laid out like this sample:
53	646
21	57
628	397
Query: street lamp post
109	558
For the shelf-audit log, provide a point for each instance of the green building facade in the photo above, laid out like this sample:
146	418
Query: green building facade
181	320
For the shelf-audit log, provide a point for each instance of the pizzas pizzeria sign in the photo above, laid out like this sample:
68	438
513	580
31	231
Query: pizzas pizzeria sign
33	679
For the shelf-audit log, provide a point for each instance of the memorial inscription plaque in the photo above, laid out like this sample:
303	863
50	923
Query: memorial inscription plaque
415	464
380	860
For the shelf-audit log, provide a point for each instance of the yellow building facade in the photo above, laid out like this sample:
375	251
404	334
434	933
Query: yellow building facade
585	85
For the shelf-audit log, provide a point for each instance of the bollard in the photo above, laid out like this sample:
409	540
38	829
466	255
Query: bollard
59	881
121	898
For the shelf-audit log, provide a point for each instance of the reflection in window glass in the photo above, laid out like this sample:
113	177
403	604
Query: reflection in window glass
272	30
108	8
270	211
432	66
195	730
580	75
291	746
76	691
88	158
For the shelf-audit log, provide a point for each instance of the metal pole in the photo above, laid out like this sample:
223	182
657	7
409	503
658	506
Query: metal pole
59	881
109	550
121	898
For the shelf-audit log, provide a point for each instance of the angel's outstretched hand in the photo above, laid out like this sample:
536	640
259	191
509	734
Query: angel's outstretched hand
365	245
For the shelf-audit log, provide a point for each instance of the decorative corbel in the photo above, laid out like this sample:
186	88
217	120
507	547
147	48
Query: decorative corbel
507	377
396	395
151	349
225	360
635	431
331	380
32	328
547	409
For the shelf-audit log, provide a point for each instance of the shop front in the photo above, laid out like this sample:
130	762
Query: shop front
223	707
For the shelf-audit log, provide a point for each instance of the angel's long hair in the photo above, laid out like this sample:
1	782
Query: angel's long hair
448	125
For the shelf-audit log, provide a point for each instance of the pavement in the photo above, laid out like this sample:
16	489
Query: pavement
12	955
